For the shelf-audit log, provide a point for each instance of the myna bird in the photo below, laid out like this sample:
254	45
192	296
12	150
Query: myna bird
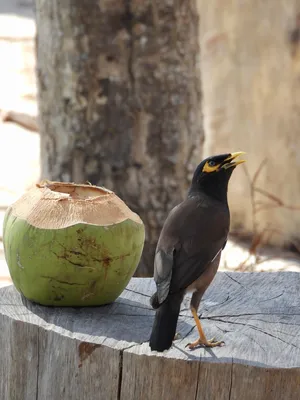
189	249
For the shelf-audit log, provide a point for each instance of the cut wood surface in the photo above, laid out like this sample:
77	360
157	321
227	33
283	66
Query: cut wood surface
103	352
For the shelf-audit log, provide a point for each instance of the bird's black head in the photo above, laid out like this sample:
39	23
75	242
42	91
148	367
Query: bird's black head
212	175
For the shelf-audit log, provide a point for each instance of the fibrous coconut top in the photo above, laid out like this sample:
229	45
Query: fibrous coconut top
57	205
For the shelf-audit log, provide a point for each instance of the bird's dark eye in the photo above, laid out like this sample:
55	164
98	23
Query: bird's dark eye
211	163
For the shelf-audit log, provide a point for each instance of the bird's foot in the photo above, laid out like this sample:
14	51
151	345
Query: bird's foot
205	343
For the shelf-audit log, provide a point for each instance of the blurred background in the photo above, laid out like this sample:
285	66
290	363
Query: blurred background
133	95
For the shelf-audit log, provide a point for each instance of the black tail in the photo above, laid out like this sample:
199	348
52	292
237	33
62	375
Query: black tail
165	322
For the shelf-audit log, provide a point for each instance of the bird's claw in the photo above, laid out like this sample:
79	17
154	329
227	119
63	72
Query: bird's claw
205	343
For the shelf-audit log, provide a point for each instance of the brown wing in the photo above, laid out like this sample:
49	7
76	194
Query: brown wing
193	235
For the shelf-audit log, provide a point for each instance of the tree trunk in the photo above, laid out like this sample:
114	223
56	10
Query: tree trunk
250	70
119	100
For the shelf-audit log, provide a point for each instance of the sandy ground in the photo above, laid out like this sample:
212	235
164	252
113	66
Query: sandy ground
19	147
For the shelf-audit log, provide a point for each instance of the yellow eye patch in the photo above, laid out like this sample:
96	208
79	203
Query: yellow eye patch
210	168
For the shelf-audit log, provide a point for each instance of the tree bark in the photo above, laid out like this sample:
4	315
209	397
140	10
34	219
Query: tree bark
250	65
119	100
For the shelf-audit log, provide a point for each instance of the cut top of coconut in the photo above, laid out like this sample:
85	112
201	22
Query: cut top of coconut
75	191
57	205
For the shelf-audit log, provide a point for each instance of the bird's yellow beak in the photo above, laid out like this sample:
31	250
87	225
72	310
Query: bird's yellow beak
228	163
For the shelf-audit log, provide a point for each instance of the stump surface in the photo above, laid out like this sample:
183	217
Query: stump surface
103	352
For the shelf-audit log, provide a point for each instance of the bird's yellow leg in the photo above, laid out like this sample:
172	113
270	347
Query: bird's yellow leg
202	341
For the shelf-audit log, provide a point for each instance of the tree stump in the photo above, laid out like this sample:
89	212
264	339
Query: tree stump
103	352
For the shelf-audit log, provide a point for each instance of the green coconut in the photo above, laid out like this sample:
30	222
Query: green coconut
71	245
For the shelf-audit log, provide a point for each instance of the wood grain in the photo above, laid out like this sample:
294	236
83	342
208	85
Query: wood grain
103	352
